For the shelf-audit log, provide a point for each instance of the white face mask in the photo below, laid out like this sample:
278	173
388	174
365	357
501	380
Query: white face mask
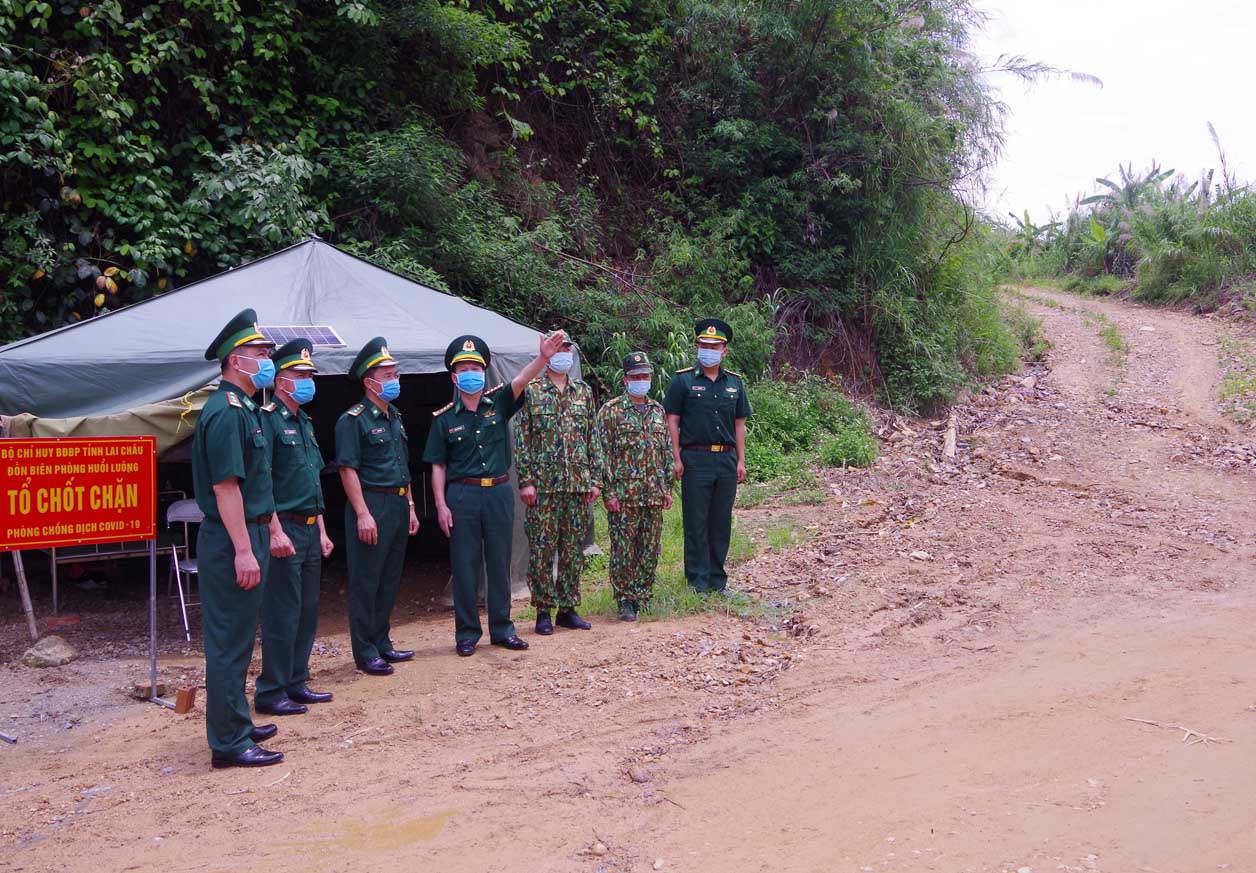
709	357
562	362
639	388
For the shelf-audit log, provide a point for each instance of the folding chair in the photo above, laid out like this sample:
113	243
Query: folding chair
184	512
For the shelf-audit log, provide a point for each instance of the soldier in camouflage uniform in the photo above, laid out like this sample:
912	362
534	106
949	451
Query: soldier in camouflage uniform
637	484
559	472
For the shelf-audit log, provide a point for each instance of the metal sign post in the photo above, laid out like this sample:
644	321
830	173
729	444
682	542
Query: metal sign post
152	625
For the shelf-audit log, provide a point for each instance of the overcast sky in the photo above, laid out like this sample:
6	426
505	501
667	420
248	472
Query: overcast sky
1168	68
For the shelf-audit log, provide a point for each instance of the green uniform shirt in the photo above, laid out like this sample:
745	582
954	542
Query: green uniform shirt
374	444
636	452
474	445
707	409
229	441
556	438
295	459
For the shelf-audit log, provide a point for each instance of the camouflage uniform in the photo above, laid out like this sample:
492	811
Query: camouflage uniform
637	471
555	437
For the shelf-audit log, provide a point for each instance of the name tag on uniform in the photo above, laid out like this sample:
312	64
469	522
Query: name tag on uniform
376	430
458	429
288	431
731	390
698	387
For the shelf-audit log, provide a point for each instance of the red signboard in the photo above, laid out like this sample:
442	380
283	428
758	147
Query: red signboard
77	490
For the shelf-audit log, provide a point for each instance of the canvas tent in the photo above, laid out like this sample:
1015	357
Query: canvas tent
154	351
141	369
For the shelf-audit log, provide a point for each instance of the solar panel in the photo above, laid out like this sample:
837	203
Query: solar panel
319	334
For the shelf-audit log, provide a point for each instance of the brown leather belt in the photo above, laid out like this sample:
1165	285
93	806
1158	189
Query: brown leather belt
400	491
484	483
261	519
719	447
299	517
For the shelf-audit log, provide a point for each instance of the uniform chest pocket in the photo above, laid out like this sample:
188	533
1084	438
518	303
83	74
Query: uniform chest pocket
377	439
289	439
259	439
492	430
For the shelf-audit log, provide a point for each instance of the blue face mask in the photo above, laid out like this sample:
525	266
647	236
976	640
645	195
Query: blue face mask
265	375
562	361
639	387
470	381
389	390
302	390
710	357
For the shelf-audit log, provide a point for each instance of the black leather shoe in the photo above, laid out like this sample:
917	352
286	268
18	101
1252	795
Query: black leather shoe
282	706
544	626
376	667
263	732
466	648
392	656
569	619
305	695
511	642
627	610
255	756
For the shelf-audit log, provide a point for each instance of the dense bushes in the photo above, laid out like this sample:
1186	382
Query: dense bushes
617	167
794	422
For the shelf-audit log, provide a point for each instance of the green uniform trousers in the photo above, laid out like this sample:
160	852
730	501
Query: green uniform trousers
375	572
556	528
290	615
707	491
483	532
229	624
636	532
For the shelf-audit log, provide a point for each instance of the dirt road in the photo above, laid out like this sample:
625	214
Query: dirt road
947	682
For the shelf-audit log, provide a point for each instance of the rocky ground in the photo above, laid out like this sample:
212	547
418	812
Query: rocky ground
1033	655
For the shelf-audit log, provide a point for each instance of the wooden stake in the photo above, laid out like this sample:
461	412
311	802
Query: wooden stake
26	596
948	442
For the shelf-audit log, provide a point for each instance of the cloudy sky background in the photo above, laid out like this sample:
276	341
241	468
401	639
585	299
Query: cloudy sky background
1168	68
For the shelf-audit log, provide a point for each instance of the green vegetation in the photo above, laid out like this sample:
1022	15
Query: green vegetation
1160	236
1238	382
796	423
615	167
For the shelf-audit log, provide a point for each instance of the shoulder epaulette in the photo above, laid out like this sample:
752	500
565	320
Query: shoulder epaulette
233	399
497	387
357	409
270	407
448	406
686	370
733	373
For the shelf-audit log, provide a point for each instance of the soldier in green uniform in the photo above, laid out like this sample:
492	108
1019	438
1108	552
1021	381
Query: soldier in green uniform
469	450
558	467
298	539
373	454
231	478
706	411
637	481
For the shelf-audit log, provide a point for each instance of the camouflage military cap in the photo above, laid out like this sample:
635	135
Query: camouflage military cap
636	363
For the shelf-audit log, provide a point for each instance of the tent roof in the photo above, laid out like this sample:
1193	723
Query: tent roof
154	350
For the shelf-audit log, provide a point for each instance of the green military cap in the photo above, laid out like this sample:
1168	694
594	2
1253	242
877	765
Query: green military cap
467	347
373	354
240	331
294	355
636	363
713	330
